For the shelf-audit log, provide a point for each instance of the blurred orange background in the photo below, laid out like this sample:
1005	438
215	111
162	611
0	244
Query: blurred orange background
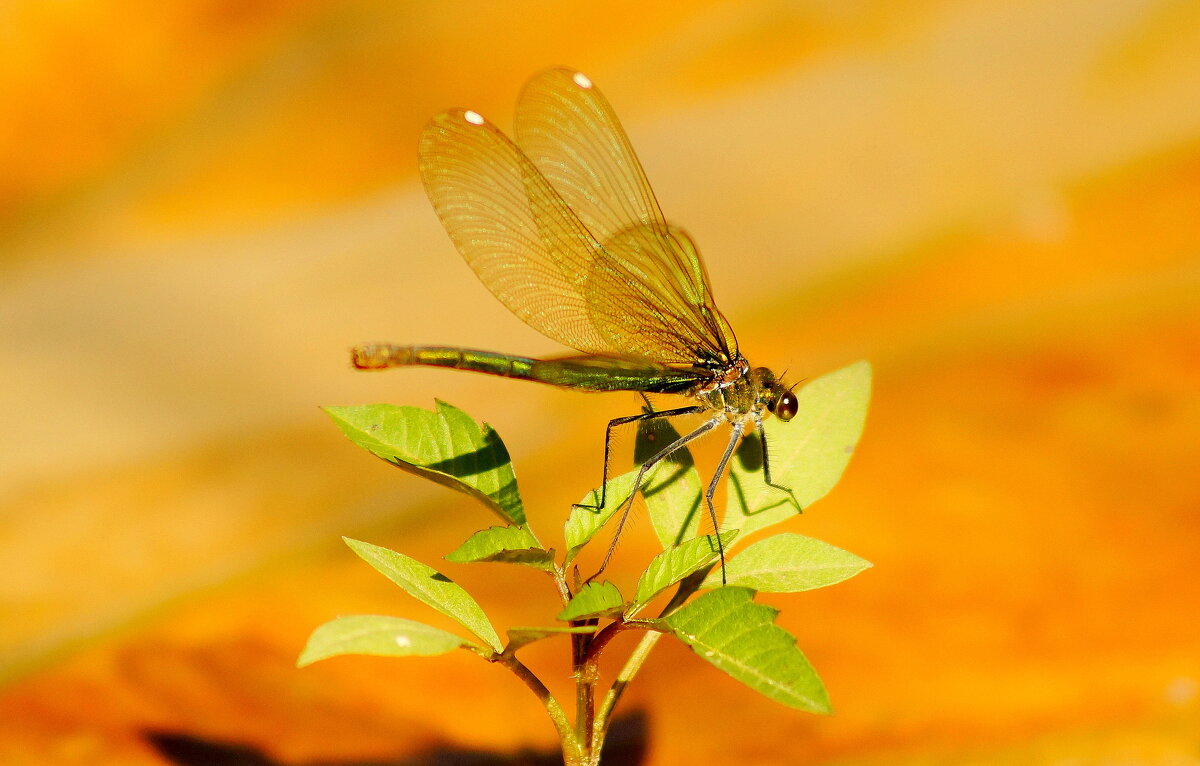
204	203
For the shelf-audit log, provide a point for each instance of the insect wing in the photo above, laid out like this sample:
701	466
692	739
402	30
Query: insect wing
511	226
648	287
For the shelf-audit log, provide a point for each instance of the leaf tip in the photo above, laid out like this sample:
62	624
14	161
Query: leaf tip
864	365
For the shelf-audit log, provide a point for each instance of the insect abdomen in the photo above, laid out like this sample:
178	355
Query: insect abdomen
380	356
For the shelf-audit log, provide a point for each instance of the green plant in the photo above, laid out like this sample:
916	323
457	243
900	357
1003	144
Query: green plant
720	622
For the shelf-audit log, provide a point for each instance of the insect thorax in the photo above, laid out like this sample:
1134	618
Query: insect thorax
732	390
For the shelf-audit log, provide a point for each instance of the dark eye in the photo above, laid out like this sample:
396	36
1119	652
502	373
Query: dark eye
785	408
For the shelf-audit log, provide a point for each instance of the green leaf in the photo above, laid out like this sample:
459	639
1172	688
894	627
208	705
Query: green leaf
596	599
514	545
583	523
430	586
676	563
673	494
444	445
374	634
519	637
738	636
807	454
787	563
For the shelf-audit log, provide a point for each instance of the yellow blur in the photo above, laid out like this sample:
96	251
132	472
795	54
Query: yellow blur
204	205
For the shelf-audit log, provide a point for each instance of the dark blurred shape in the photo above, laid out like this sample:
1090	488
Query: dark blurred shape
186	749
626	744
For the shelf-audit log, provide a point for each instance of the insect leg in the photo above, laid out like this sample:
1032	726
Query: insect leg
627	503
762	440
608	443
734	438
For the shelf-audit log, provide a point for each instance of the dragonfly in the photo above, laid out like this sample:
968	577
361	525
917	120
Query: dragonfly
561	225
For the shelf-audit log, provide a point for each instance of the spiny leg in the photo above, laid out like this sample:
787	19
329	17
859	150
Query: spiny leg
627	503
762	440
624	421
734	438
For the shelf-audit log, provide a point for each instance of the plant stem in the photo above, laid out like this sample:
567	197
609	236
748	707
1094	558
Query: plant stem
628	671
587	673
585	707
638	658
560	582
573	750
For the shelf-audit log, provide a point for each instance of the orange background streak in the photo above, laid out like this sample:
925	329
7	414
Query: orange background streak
203	204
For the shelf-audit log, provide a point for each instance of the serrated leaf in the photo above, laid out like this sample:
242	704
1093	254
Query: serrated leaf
430	586
726	628
519	637
676	563
377	635
807	454
596	599
512	544
673	495
788	563
584	522
444	445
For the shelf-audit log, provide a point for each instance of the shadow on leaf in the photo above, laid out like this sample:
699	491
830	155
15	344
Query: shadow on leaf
488	457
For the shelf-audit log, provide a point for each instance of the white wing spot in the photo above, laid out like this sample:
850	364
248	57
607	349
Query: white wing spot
475	118
403	641
581	80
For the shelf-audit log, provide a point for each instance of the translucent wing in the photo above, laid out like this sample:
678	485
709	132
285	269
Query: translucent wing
570	133
531	250
512	228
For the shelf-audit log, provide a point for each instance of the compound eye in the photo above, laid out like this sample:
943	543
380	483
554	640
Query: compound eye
785	408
